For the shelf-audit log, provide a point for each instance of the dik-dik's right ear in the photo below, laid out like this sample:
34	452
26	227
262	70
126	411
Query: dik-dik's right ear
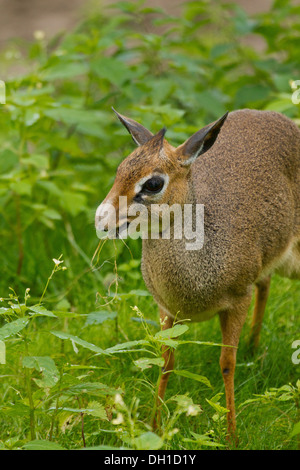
139	133
200	142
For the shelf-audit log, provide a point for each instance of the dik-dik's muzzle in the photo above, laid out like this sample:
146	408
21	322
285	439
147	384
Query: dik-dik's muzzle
111	219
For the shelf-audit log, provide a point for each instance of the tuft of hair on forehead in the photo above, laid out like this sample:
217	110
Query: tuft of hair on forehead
155	144
152	149
156	153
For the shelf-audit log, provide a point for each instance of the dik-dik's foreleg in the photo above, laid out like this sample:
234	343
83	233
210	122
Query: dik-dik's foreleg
168	356
231	321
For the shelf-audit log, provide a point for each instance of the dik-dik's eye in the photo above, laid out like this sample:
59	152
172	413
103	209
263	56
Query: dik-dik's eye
153	185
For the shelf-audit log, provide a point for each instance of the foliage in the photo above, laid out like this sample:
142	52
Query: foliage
73	360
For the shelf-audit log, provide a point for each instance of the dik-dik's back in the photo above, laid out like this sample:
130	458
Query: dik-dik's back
249	184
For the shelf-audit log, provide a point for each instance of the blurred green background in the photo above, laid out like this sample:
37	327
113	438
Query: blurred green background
60	142
182	67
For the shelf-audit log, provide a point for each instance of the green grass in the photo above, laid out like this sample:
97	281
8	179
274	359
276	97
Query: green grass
263	424
60	146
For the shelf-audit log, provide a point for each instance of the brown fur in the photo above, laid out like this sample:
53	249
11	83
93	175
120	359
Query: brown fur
249	183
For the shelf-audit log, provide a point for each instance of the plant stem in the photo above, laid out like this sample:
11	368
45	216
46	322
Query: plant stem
31	404
82	424
156	399
56	405
48	280
29	392
19	234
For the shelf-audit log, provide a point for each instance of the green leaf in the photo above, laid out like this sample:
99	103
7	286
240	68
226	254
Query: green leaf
243	24
73	202
52	214
40	310
186	405
7	311
80	342
296	430
97	318
21	99
13	328
217	407
23	188
124	347
281	104
46	365
173	332
37	160
190	375
87	122
65	70
111	69
51	187
212	101
97	409
94	409
134	292
91	388
63	305
140	293
250	94
31	117
15	410
8	160
148	441
203	440
42	445
147	362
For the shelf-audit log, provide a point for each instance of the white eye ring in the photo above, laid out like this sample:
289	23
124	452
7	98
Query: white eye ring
139	185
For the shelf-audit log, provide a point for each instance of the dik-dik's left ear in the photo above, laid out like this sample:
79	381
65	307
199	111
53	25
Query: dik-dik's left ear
139	133
200	142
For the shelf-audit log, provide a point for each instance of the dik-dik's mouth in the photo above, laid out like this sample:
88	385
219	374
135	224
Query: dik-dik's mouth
122	228
113	233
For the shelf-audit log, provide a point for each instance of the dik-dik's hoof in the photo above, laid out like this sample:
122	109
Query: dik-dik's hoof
232	439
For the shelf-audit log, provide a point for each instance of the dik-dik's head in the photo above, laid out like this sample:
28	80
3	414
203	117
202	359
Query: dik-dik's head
156	173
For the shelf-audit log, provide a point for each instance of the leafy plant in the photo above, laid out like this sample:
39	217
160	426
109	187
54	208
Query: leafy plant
73	347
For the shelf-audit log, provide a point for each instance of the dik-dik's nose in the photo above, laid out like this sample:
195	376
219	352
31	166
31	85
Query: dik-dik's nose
105	217
101	218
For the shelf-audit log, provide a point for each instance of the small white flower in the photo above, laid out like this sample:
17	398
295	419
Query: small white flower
39	35
57	261
119	399
192	410
172	432
119	419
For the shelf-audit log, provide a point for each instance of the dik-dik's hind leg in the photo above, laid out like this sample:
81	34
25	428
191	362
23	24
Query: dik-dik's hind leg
231	321
168	356
262	289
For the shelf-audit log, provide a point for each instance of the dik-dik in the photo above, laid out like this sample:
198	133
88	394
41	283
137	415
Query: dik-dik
245	170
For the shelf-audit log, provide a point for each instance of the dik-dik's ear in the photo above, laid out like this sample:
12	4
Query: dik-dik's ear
200	142
139	133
